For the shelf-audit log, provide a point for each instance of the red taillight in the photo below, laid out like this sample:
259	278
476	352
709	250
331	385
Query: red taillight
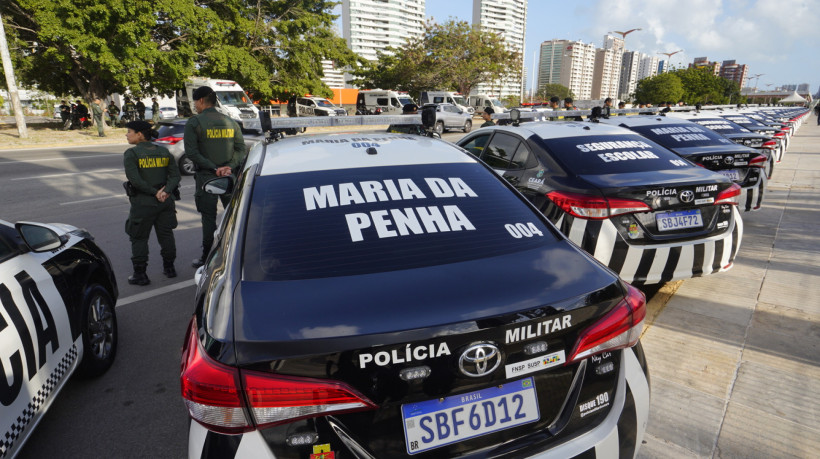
770	144
730	195
620	328
779	133
595	207
217	394
758	161
170	140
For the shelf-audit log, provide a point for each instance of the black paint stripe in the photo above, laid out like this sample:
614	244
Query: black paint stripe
761	191
591	233
647	258
671	264
749	200
618	258
567	224
718	255
697	264
735	242
220	446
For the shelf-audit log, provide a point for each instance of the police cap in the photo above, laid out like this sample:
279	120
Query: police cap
202	91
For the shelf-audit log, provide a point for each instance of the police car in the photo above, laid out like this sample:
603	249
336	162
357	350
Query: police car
640	209
705	147
313	106
57	296
778	140
382	295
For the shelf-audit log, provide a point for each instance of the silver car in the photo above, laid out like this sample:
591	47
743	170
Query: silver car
448	116
170	137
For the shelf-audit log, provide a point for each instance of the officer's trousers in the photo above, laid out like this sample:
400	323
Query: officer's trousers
141	218
206	206
100	127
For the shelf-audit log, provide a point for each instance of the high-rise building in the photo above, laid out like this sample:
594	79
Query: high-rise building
370	26
334	78
648	66
663	66
508	19
568	63
607	71
629	73
733	71
703	63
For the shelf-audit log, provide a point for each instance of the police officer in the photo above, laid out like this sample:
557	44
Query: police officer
97	110
113	113
554	105
214	143
140	110
569	105
154	110
65	114
154	176
621	106
487	116
129	110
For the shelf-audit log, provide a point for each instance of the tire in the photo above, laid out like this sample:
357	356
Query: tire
99	331
186	166
468	125
439	128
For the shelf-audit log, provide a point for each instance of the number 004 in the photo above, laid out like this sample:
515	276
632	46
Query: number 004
520	230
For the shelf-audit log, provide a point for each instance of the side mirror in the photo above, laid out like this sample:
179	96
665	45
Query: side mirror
460	111
40	238
219	185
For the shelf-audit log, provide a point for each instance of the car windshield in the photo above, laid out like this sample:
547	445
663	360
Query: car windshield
406	100
460	100
324	103
358	221
681	135
612	154
496	102
170	130
232	97
721	125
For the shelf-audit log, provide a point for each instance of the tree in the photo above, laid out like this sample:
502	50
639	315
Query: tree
701	85
95	47
548	91
453	56
659	88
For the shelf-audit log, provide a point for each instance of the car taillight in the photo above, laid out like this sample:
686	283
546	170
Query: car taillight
594	207
619	329
770	144
758	161
171	140
730	195
217	394
779	134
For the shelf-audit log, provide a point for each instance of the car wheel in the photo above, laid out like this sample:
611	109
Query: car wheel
186	166
468	126
99	331
439	127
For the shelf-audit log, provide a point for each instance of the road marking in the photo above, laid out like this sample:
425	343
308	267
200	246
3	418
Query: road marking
65	158
67	173
156	292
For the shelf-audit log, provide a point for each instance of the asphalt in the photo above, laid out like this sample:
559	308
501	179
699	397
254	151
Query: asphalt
734	358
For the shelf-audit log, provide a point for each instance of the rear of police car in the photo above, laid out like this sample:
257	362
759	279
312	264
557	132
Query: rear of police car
390	296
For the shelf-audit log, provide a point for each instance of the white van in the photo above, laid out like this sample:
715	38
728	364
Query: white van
446	97
375	101
231	101
481	101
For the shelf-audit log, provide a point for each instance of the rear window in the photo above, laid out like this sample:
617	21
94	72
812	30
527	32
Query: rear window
170	130
681	135
612	154
721	126
359	221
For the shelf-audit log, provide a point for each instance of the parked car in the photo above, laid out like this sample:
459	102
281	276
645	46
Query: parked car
171	133
637	207
167	112
387	295
57	318
448	116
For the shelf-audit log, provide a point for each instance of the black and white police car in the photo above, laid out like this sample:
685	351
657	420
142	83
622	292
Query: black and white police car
778	140
640	209
57	296
313	106
383	295
744	165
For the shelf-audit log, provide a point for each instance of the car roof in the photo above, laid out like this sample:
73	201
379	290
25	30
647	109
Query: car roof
643	120
349	151
562	129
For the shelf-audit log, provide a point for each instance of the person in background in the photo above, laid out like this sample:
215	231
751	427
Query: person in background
621	106
154	176
113	113
140	110
568	105
97	109
554	100
607	107
487	116
65	113
154	110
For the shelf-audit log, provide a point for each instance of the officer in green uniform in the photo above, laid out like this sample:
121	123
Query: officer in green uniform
487	116
97	110
214	143
154	110
129	110
113	113
154	176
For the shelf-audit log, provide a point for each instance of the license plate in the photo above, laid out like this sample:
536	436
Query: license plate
733	174
681	219
435	423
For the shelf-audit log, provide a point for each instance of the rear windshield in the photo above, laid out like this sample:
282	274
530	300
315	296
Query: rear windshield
743	120
721	126
358	221
612	154
170	130
681	135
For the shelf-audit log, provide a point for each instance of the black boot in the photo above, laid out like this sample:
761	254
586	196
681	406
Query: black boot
168	268
197	262
139	277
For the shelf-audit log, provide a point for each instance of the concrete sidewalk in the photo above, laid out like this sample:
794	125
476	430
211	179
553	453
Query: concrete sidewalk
734	358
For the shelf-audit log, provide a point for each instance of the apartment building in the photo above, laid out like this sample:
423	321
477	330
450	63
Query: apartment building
733	71
607	71
371	26
508	19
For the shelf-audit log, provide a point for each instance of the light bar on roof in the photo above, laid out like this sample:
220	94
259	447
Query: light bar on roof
352	120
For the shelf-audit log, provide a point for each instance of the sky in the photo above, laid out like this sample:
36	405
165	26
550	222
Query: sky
777	38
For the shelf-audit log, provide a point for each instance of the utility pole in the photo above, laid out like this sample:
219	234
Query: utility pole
12	86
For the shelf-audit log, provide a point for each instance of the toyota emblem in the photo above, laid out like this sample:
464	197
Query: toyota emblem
729	160
687	196
479	360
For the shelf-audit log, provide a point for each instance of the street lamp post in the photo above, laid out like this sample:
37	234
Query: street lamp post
757	79
669	57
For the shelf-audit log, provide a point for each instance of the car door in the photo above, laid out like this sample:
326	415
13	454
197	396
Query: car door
510	157
37	352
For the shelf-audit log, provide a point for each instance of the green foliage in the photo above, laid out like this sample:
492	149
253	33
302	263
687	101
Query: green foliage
511	101
659	88
549	90
449	56
96	47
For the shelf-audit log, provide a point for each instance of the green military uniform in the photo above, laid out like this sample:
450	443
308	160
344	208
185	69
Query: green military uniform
129	111
212	140
155	112
98	114
487	123
113	113
149	167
